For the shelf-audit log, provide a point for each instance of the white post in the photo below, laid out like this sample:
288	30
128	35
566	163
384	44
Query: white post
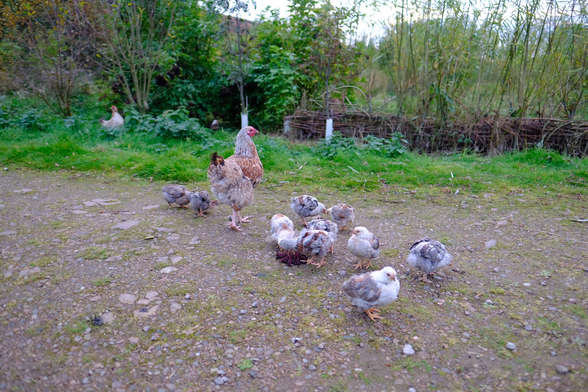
244	120
329	132
286	126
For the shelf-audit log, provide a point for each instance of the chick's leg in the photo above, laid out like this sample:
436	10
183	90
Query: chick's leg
320	263
200	213
372	313
424	278
359	265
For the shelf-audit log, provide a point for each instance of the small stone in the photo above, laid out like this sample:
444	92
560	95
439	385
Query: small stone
194	241
252	374
572	300
511	346
254	305
176	259
85	380
168	270
125	225
489	302
408	350
7	233
151	294
134	340
144	312
561	369
527	284
27	272
465	334
528	327
127	298
411	389
342	273
219	381
490	244
187	296
295	340
312	368
553	353
174	307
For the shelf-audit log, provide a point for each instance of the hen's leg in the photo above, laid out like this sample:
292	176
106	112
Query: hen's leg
200	213
372	314
243	220
359	265
368	265
232	225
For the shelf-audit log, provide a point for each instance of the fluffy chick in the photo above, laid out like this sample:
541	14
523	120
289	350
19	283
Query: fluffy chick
313	243
200	201
281	227
342	214
306	206
176	194
364	245
372	289
326	225
428	256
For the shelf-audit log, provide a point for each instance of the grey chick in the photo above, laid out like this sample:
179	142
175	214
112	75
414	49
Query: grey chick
313	243
428	256
364	245
306	206
342	215
176	194
326	225
200	201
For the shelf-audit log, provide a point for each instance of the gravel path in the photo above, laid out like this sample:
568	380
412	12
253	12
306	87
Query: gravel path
104	287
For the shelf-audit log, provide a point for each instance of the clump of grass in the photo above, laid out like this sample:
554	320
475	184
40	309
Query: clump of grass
245	364
43	261
93	253
177	290
105	281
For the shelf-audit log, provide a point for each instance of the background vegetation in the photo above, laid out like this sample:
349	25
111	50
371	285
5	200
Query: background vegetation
172	70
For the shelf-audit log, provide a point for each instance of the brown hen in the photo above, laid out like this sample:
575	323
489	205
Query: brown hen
246	156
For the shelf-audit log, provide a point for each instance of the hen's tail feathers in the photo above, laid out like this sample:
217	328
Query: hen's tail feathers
217	159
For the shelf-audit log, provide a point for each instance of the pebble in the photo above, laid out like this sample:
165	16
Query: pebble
527	284
489	302
312	368
528	327
254	305
187	296
408	350
127	298
219	381
511	346
465	334
27	272
295	340
490	244
126	225
561	369
174	307
168	270
152	294
553	353
342	273
85	380
411	389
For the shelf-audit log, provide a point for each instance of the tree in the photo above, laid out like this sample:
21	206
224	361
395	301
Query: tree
53	47
136	38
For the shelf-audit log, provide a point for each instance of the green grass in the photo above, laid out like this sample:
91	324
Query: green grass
102	281
82	149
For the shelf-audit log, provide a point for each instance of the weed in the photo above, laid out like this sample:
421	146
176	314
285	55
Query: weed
245	364
102	281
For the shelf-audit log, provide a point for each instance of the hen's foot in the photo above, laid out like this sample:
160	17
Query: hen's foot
234	227
368	265
184	206
319	264
372	314
200	213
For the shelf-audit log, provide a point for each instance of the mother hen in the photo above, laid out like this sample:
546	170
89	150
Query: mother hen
233	180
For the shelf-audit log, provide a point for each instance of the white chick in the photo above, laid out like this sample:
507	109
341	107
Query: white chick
364	245
377	288
313	243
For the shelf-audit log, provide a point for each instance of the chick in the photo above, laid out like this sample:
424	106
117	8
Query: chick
428	256
342	215
372	289
364	245
200	202
326	225
176	194
306	206
281	227
313	243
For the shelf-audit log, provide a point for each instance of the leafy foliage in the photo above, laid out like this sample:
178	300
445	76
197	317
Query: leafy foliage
392	148
171	124
330	148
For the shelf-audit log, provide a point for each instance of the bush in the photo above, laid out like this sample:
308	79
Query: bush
171	124
392	148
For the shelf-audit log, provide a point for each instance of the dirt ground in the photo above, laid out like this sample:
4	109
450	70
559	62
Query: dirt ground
80	249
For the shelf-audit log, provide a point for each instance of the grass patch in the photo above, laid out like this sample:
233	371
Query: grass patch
576	310
94	253
43	261
411	364
245	364
105	281
177	290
